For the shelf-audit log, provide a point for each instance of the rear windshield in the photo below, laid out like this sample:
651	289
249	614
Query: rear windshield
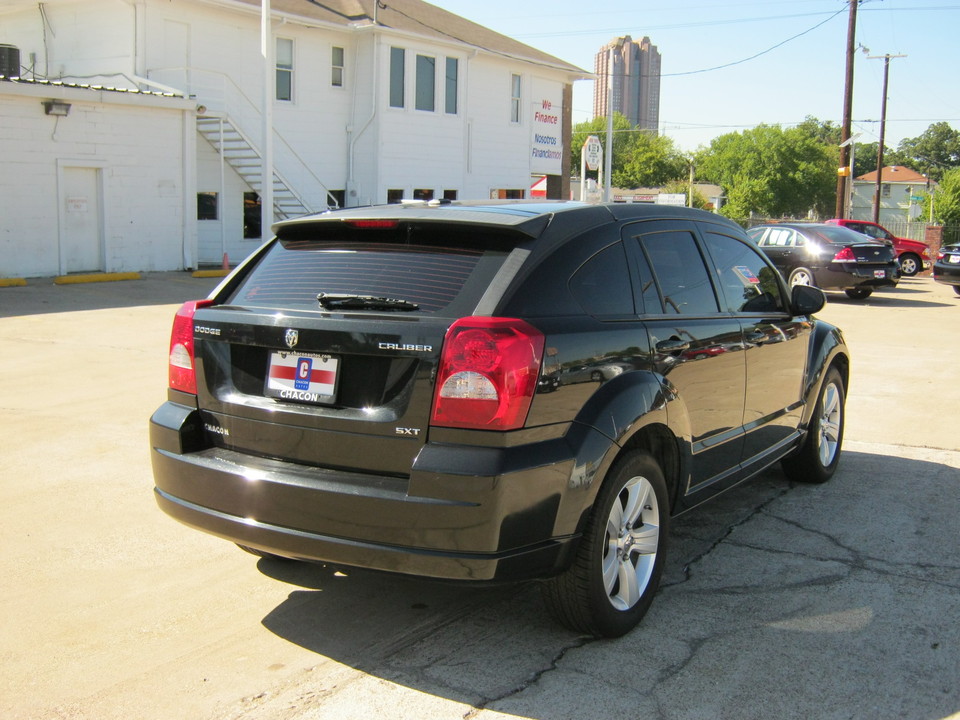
841	235
437	269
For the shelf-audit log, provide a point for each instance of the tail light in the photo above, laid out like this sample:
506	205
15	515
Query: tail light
488	374
183	374
845	255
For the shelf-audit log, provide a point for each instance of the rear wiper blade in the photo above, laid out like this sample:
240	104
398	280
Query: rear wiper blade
332	301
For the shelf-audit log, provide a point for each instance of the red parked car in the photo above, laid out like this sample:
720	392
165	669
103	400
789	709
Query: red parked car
912	255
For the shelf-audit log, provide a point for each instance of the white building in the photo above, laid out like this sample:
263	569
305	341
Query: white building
369	102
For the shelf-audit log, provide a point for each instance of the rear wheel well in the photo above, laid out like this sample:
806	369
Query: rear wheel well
661	445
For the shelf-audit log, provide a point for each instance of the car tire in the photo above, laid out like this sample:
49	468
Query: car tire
910	264
618	563
859	293
802	276
956	289
817	458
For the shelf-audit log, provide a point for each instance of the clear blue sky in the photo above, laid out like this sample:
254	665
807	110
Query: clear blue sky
803	76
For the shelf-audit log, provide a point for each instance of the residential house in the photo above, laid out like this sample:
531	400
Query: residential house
900	188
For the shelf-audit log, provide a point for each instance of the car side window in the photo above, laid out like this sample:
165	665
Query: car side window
602	284
680	274
779	237
748	283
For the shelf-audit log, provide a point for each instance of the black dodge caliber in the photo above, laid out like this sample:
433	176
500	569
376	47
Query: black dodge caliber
494	392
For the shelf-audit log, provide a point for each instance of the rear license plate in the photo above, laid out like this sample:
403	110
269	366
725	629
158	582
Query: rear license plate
954	259
880	274
304	377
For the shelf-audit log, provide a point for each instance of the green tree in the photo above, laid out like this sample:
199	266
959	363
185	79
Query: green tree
640	158
683	187
649	161
946	204
934	152
598	127
771	171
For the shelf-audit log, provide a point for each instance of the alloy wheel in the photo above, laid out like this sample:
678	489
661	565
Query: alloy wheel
632	540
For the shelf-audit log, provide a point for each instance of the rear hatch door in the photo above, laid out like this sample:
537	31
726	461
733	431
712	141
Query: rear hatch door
345	381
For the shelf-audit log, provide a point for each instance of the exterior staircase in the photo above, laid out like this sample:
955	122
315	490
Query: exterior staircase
240	153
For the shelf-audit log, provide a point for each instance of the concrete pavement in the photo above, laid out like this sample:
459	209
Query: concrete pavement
780	600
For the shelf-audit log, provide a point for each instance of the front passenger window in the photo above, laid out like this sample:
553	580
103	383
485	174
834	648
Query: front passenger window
749	283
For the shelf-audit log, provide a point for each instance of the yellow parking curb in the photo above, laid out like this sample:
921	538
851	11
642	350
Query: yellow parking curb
210	273
12	282
94	277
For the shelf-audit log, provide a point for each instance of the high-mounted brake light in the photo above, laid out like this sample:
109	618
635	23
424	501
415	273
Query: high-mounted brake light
372	224
845	255
182	368
488	374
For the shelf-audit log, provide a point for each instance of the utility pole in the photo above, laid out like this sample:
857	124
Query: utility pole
883	125
845	183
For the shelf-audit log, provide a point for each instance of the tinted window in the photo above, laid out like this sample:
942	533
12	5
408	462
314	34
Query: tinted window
424	268
602	284
747	282
680	274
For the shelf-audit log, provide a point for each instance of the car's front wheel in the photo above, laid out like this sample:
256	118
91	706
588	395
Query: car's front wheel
956	289
817	458
859	293
802	276
617	568
909	264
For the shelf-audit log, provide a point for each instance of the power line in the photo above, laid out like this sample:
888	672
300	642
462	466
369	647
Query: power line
754	57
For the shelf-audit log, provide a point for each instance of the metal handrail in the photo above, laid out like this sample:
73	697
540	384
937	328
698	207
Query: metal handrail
234	103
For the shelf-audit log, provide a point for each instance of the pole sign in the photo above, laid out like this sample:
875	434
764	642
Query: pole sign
593	153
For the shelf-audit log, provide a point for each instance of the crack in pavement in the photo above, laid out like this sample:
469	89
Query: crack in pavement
532	679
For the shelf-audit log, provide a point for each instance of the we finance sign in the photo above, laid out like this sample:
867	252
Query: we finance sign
546	150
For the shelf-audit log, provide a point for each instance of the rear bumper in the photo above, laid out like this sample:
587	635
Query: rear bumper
847	276
464	513
948	274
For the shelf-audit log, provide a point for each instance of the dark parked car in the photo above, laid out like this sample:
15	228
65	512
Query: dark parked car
828	257
912	255
947	267
494	392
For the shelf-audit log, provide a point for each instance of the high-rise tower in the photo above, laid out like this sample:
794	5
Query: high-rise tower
636	81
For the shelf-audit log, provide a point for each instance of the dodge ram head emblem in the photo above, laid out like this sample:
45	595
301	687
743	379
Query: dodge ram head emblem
291	338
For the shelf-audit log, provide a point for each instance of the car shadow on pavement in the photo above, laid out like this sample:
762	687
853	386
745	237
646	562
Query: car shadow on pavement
786	597
162	288
887	298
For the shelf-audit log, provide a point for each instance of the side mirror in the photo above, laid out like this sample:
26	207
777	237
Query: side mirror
806	300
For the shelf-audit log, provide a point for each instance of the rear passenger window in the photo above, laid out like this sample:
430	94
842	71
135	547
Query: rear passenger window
602	284
679	273
749	284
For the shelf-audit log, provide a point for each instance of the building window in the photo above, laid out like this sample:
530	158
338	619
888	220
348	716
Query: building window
885	190
397	60
336	67
515	98
423	194
426	83
284	69
340	196
251	215
394	196
207	206
450	86
450	195
508	194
